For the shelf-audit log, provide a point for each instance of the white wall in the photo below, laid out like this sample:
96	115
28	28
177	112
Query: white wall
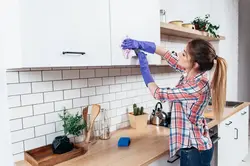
244	50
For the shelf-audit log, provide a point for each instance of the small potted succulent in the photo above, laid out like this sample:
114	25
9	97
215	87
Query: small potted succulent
73	125
138	118
205	25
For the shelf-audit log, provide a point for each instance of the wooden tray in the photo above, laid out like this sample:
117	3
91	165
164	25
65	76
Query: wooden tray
44	156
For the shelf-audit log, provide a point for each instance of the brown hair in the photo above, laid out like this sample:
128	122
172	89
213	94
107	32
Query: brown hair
203	53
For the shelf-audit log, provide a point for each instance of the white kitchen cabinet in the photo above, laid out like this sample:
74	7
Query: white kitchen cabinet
136	19
39	32
241	134
233	145
226	134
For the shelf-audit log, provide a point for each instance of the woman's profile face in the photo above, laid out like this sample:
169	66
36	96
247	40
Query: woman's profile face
185	60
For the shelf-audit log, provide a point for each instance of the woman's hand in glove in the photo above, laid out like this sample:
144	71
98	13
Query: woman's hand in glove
144	68
149	47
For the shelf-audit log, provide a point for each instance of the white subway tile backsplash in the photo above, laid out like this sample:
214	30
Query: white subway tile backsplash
95	99
62	85
126	87
120	95
87	73
14	101
53	96
136	85
52	75
17	147
120	79
43	108
111	113
33	121
30	76
50	138
115	88
20	112
87	92
102	72
36	98
17	136
102	90
131	93
71	94
80	102
116	120
81	83
131	78
34	143
94	82
108	97
45	129
108	80
127	102
121	111
18	89
41	87
53	117
18	157
116	104
16	124
114	72
59	126
75	111
71	74
12	77
59	105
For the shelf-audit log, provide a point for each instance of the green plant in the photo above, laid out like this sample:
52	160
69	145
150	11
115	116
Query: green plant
72	124
203	24
137	111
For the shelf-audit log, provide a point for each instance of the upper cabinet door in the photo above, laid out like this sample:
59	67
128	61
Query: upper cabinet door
136	19
65	33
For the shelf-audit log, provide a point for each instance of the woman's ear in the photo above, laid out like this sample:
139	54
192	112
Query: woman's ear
196	65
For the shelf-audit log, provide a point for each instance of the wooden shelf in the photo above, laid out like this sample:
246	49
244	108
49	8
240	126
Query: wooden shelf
174	30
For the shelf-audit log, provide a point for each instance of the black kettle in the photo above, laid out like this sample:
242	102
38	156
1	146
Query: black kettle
159	117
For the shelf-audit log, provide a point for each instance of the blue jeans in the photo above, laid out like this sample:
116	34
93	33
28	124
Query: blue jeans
194	157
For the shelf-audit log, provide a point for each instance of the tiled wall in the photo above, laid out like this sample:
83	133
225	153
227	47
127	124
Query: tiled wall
36	96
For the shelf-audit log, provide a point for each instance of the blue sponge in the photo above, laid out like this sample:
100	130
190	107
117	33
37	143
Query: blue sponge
124	142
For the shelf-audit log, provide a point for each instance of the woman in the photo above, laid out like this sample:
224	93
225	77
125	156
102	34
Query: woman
189	131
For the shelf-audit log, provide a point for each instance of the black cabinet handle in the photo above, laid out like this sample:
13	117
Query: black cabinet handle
230	122
237	133
68	52
243	113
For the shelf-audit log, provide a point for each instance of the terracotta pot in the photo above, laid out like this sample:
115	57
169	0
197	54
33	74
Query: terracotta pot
139	121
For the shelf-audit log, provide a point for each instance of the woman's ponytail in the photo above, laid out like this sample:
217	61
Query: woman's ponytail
218	87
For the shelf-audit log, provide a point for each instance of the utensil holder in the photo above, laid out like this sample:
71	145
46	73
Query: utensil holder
104	125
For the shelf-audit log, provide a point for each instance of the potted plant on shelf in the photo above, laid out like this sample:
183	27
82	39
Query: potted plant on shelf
138	118
203	24
73	125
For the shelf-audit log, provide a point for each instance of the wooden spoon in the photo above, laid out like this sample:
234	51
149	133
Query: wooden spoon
94	113
85	118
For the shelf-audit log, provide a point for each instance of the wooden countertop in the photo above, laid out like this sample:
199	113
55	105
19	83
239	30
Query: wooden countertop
145	147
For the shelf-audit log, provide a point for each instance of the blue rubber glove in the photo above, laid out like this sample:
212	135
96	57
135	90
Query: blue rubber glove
149	47
144	68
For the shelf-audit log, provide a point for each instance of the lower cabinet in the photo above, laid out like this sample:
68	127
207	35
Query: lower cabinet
233	145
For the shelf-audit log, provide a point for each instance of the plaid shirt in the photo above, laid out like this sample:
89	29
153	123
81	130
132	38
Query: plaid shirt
189	99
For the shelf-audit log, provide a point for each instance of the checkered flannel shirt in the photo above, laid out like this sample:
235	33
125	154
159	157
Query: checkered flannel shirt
189	99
